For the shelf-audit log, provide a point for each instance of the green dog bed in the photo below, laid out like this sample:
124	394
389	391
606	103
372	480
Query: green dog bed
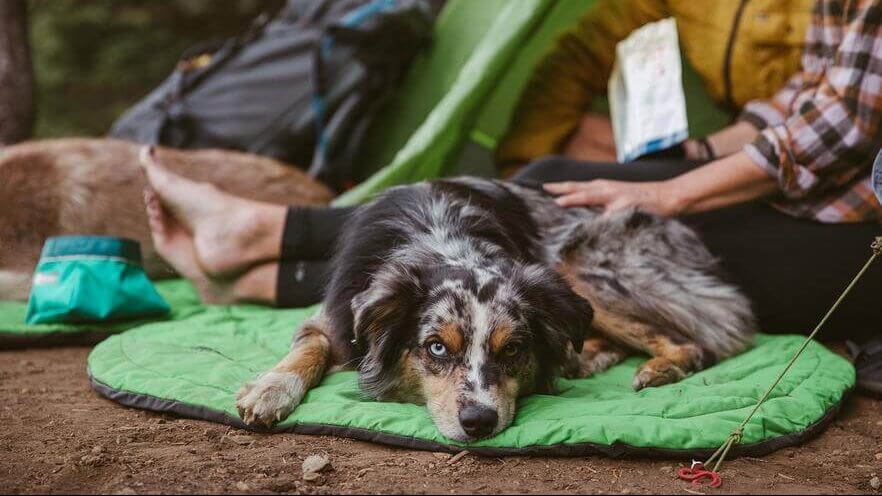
193	364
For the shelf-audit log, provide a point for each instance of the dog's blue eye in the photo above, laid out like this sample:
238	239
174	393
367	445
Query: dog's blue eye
438	350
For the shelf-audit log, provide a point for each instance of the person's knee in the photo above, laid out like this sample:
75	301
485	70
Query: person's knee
547	169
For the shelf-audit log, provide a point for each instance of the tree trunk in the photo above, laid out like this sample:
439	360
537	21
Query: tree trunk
16	74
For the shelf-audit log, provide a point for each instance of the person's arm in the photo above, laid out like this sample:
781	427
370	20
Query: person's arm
721	183
831	137
560	90
826	143
723	143
754	117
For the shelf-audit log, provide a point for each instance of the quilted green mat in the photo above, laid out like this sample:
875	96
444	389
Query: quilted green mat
193	365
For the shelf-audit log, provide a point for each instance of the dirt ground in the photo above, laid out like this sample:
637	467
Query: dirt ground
56	436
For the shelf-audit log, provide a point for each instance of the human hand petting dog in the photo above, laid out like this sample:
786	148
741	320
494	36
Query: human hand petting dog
652	197
727	181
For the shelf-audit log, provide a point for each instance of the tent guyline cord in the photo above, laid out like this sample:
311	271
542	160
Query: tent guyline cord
698	471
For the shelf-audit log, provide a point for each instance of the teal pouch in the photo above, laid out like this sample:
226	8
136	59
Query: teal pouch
91	279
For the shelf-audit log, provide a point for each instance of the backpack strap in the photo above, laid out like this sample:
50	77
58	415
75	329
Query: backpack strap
353	19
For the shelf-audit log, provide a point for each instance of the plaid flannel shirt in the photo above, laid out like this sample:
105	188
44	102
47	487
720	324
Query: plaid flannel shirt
820	133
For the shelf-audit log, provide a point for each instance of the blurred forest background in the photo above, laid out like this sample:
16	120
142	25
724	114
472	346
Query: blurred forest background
94	58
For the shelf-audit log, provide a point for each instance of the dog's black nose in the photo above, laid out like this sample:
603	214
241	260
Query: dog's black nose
478	421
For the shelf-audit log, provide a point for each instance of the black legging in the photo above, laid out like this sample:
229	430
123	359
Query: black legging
791	269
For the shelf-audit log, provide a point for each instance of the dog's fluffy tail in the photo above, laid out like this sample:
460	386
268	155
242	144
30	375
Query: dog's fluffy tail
14	285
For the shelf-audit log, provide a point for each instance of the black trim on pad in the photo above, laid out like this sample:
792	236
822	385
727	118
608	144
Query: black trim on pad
617	450
15	341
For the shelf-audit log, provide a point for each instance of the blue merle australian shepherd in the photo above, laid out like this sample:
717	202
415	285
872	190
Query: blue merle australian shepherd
466	294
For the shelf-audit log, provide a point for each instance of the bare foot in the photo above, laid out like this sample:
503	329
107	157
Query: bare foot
229	234
175	245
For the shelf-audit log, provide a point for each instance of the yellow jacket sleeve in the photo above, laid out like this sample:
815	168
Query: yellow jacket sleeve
560	89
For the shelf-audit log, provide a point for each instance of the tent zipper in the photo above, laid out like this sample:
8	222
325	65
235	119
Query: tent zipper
727	61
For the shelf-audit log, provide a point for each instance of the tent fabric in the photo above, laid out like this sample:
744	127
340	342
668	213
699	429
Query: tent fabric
425	153
465	89
194	363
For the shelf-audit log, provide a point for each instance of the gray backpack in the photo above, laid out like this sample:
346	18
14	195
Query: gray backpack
301	86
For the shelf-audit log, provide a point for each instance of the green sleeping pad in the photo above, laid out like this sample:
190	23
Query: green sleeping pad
193	365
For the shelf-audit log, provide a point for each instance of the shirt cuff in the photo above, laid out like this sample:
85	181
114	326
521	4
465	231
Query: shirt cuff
761	114
768	151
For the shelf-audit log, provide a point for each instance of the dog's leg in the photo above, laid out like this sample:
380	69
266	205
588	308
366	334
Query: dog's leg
670	362
276	393
598	354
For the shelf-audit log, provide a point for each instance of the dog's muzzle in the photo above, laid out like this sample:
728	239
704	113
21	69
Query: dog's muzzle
478	421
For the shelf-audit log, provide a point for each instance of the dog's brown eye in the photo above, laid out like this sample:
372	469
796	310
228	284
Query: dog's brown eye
437	349
511	350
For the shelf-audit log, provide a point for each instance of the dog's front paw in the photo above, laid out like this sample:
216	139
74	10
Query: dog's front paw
269	398
657	371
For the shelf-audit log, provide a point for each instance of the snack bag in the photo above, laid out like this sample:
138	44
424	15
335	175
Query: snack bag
91	279
647	104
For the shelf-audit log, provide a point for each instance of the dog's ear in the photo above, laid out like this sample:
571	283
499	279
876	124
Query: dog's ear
556	313
382	315
384	303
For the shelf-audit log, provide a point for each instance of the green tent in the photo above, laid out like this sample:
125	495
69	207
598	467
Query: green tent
458	99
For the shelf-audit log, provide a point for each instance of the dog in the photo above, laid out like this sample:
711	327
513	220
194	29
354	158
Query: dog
94	186
466	294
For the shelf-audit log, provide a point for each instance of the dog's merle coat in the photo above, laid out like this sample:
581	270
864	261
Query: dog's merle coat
467	293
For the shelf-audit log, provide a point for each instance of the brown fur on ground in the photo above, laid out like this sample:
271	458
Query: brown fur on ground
94	186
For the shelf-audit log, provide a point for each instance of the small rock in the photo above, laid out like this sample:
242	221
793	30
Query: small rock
878	456
98	449
241	486
313	466
441	456
875	483
126	490
667	469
